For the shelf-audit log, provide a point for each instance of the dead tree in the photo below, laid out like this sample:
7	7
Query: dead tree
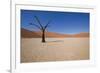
41	27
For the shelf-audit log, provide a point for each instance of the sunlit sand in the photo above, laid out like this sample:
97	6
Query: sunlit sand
55	49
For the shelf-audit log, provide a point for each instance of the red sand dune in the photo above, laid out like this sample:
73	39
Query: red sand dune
33	34
82	34
29	34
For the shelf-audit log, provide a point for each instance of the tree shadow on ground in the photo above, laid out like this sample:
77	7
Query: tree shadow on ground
56	41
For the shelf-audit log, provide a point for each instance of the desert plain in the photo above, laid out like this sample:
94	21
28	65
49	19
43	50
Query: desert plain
55	49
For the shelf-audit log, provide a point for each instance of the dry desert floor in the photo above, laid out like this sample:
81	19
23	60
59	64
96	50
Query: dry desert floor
55	49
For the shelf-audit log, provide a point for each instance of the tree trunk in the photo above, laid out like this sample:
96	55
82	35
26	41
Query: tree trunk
43	36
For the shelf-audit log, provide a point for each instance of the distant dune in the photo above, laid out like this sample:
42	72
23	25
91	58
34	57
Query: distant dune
33	34
29	34
82	34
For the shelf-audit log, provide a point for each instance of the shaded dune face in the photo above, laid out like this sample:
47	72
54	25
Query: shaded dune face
33	34
29	34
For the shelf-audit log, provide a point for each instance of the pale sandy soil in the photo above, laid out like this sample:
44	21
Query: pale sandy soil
55	49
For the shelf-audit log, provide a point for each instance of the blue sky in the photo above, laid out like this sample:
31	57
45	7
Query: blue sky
61	22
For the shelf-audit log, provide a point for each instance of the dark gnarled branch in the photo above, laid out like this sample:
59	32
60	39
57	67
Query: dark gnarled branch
47	24
35	25
38	21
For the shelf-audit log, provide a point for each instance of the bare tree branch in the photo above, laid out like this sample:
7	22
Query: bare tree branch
36	26
47	24
38	21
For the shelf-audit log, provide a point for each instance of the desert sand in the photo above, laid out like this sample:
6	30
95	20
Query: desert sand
55	49
37	34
